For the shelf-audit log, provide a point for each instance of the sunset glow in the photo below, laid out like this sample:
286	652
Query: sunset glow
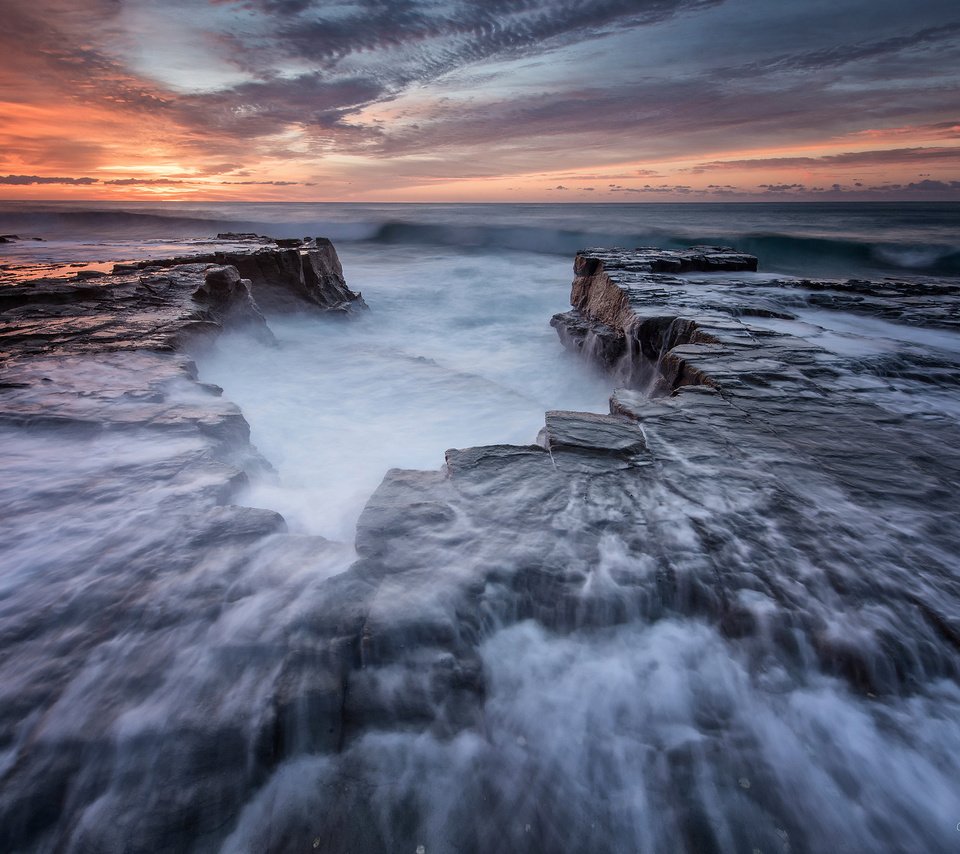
666	100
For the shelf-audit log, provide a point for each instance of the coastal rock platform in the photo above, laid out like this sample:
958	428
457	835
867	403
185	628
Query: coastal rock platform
723	510
743	479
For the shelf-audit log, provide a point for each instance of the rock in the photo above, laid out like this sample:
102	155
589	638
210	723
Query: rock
281	280
631	344
93	375
230	297
740	504
596	341
242	235
127	311
295	280
585	434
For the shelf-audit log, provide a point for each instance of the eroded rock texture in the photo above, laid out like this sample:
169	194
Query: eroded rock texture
299	275
764	502
124	724
691	624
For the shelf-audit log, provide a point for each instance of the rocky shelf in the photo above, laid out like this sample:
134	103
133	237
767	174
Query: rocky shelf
114	354
707	492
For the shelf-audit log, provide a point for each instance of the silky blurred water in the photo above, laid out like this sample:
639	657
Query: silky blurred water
455	352
142	660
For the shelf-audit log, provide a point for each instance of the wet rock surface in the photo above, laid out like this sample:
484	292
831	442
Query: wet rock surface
760	490
151	310
123	549
291	278
299	275
758	523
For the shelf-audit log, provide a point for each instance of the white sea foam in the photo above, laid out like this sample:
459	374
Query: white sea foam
456	351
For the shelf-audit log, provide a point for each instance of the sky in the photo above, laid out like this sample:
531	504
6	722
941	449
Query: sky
480	100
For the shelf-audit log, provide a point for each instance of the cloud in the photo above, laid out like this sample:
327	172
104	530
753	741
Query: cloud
929	186
405	94
451	34
850	52
173	182
312	100
681	189
145	182
783	188
37	179
880	157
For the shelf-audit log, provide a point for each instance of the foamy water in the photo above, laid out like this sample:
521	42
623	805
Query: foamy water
142	661
455	352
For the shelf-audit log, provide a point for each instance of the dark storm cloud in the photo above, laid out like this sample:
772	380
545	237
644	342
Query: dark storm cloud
36	179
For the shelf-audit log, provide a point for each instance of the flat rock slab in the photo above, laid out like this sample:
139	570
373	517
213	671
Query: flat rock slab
597	440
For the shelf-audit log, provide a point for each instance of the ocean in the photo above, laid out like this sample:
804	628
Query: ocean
659	730
808	239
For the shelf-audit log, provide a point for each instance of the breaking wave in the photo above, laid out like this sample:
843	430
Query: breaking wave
860	245
775	250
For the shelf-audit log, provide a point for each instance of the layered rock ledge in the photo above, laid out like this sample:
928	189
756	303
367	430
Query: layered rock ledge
297	275
114	353
741	482
166	304
103	417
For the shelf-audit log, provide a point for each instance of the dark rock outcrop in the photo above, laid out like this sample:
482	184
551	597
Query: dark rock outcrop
605	324
309	277
290	279
230	298
169	309
633	310
96	375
